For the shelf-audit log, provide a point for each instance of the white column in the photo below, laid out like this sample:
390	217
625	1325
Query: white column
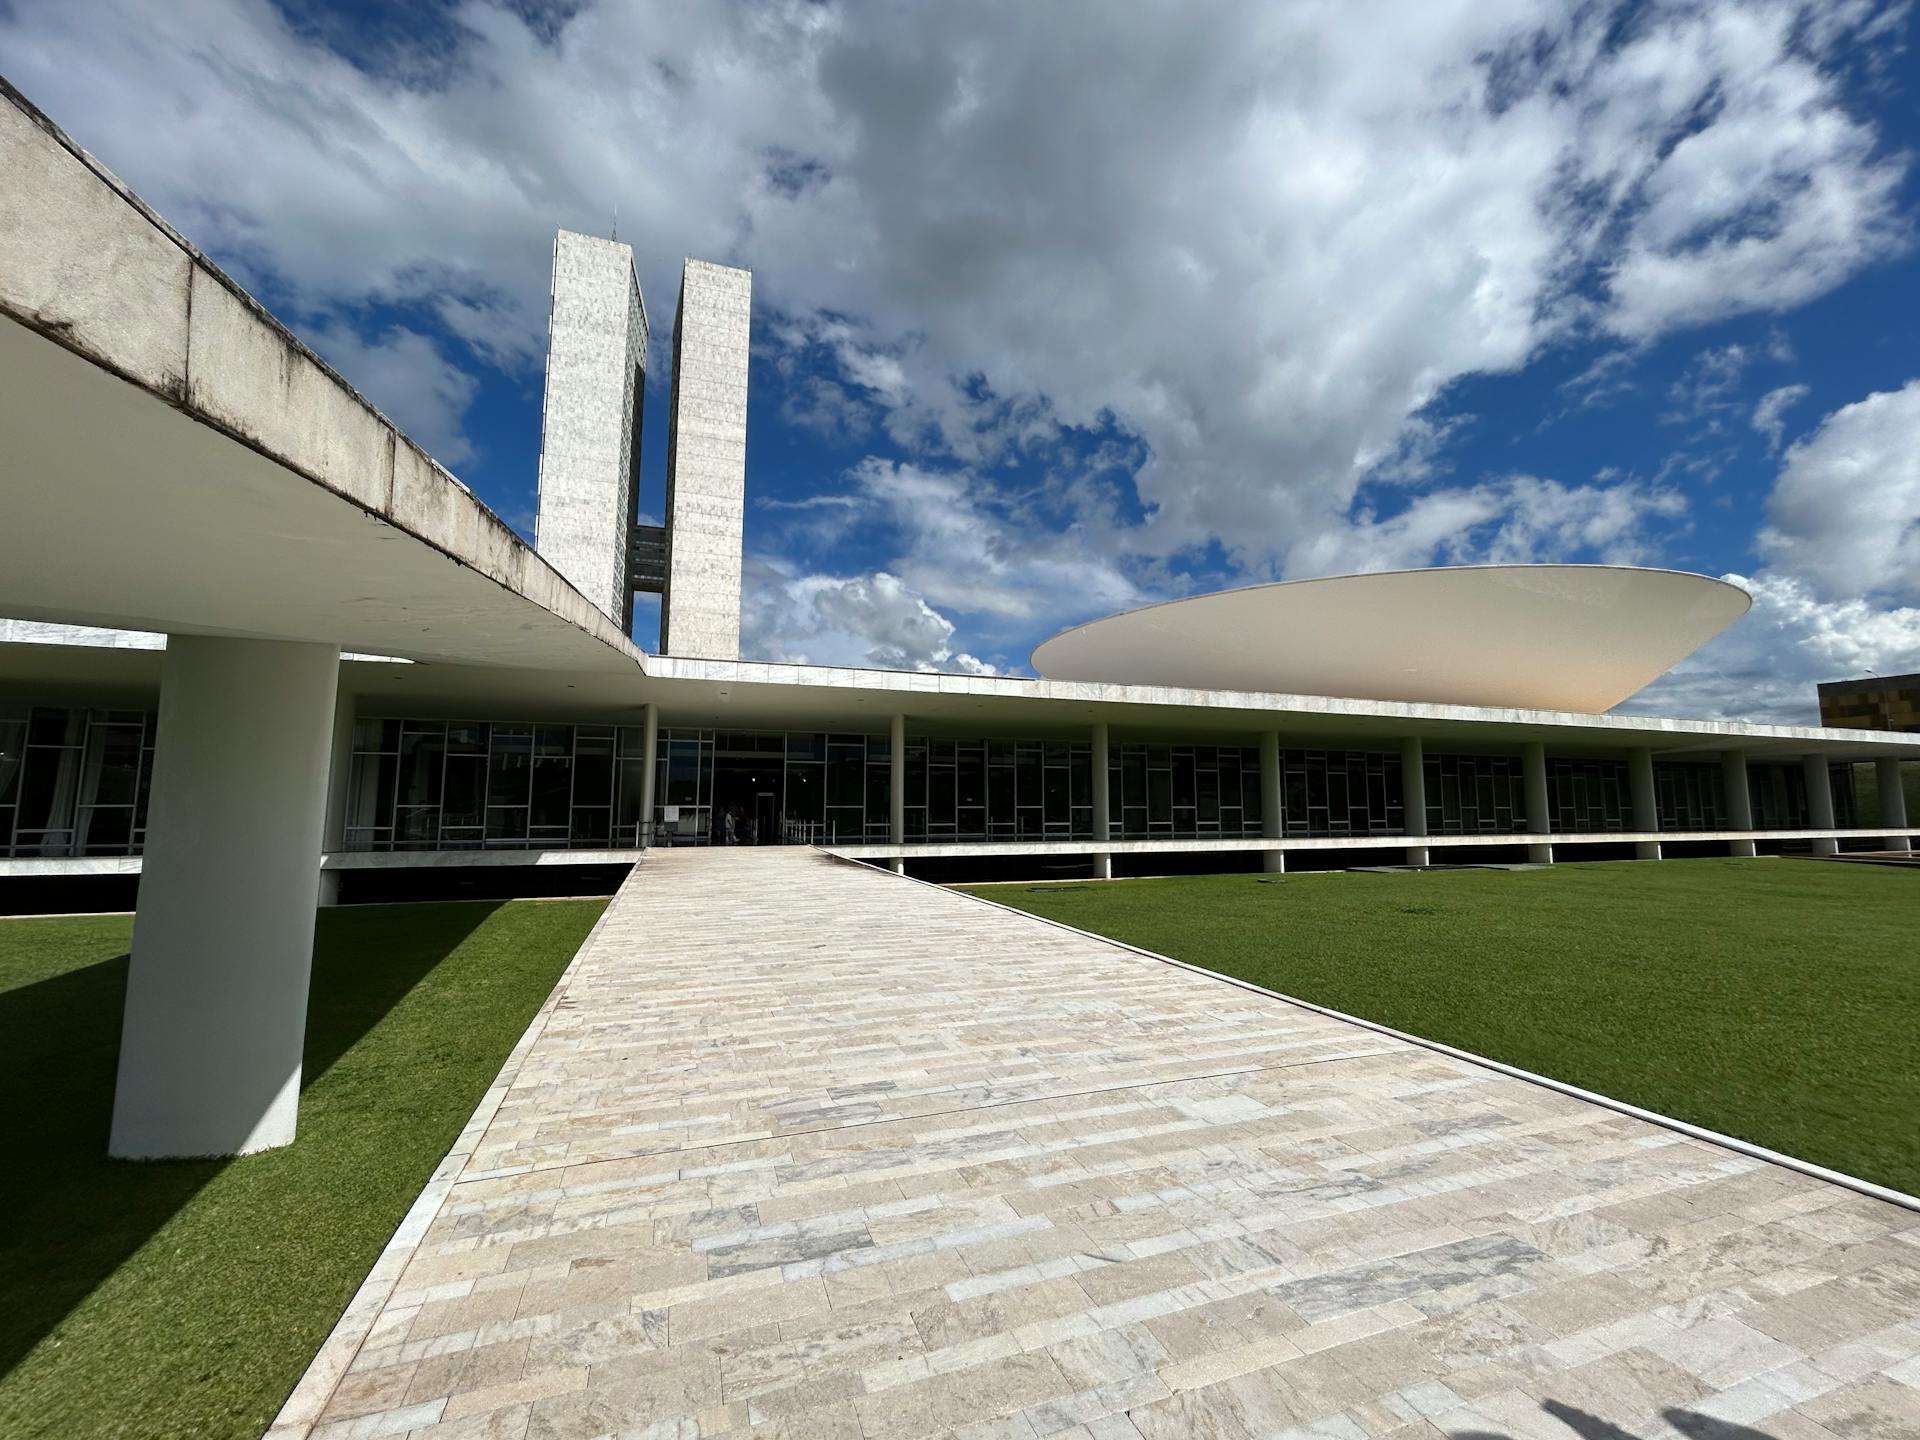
1533	764
1413	794
649	769
897	783
1893	803
339	775
1646	801
1272	820
223	936
1102	805
1820	803
1739	816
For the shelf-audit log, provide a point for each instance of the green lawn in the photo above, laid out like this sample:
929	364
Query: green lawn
1775	1000
186	1298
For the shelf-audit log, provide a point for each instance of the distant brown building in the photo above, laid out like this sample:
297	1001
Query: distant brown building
1878	702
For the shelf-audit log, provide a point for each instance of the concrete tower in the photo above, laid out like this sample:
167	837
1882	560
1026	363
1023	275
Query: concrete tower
590	428
706	463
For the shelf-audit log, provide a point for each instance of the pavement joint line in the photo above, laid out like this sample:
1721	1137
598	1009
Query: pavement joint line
1594	1097
550	1166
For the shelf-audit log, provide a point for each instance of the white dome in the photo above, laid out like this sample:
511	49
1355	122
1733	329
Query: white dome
1533	637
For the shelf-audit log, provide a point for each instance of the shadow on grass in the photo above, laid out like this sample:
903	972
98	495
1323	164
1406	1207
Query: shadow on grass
70	1216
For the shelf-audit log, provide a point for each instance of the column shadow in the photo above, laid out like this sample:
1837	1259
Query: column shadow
1592	1427
70	1216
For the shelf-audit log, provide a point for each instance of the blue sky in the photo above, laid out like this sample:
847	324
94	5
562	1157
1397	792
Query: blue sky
1065	308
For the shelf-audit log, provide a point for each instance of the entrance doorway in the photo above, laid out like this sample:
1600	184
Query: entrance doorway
747	784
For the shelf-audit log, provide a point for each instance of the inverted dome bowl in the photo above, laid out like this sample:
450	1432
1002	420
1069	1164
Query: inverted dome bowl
1533	637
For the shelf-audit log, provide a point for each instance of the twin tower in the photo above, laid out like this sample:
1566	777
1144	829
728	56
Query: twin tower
590	444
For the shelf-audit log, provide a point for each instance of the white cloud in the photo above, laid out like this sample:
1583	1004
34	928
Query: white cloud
1265	240
871	621
1766	667
1515	520
1706	390
1769	415
1845	513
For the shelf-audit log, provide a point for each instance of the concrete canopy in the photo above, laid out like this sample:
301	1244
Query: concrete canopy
177	461
1538	637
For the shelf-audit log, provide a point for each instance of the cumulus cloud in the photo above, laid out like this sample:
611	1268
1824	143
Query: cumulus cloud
1265	242
1766	667
1845	513
861	620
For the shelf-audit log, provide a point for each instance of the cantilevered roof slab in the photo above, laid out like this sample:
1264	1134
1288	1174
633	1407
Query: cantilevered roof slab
173	459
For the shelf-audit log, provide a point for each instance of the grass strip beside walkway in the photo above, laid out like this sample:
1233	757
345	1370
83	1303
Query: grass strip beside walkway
1774	1000
186	1297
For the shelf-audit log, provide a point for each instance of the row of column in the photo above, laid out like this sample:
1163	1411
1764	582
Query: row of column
1640	783
1533	759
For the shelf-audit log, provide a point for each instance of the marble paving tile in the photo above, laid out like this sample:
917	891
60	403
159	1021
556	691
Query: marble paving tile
804	1149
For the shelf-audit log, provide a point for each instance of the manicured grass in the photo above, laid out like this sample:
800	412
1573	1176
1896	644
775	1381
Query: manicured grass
1775	1000
186	1297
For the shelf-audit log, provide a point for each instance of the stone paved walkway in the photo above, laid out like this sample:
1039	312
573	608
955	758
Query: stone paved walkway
808	1150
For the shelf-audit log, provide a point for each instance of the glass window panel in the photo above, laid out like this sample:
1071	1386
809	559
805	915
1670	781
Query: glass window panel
13	748
1159	797
112	772
416	827
806	792
463	795
466	737
506	822
105	829
422	758
592	767
552	790
376	734
846	774
54	727
371	790
683	761
1058	795
510	766
940	795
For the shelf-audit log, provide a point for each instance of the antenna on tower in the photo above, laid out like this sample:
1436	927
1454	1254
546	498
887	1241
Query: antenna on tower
616	221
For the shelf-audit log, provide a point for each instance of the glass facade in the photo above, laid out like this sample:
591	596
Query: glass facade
73	781
470	784
1336	792
1588	796
1690	797
1475	795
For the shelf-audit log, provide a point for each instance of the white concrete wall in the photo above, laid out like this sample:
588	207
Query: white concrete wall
707	463
596	376
223	934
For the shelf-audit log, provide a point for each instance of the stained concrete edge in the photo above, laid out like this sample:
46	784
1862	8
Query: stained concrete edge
85	263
